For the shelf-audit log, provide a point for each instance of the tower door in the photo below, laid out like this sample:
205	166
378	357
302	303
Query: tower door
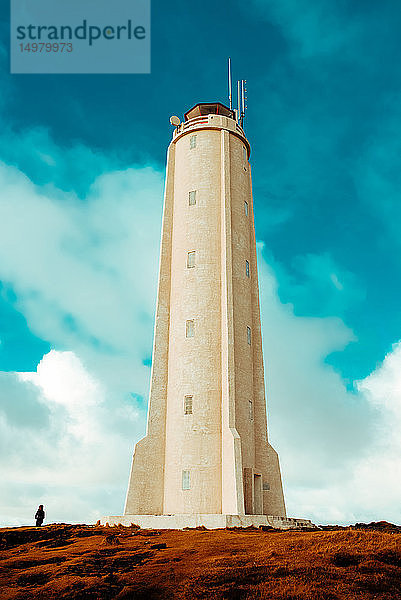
257	494
248	490
253	494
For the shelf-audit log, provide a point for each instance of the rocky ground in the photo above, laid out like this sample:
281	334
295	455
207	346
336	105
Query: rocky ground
94	562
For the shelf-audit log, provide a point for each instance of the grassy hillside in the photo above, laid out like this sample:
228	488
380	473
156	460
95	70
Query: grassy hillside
93	562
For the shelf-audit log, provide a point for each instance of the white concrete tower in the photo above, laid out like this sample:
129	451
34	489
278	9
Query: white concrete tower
206	457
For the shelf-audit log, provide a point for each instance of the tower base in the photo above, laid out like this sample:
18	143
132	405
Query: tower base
213	521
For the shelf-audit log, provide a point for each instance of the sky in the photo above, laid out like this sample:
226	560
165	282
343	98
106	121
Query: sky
82	161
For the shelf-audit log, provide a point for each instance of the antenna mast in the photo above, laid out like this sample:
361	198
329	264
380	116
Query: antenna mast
230	91
241	97
238	101
243	100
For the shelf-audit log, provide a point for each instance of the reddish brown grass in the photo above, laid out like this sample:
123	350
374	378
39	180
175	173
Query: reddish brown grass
74	562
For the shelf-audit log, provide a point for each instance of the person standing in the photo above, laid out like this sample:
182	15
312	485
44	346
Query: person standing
40	515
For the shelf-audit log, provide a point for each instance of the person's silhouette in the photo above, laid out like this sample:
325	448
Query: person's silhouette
40	515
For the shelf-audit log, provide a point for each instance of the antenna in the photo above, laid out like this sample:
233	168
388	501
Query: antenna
229	84
243	101
242	106
239	101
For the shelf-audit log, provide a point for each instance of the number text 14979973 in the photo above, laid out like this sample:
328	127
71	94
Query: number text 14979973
46	47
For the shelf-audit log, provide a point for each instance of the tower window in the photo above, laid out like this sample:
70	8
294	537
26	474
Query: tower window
186	481
246	208
192	141
248	333
250	410
188	405
190	329
266	486
245	153
192	198
247	268
191	259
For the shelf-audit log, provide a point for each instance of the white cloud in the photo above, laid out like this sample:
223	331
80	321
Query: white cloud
79	457
84	275
318	426
369	488
85	272
379	477
62	380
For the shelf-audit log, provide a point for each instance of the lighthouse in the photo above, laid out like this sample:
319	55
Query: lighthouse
206	459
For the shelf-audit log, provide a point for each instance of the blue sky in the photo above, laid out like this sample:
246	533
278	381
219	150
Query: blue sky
82	156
